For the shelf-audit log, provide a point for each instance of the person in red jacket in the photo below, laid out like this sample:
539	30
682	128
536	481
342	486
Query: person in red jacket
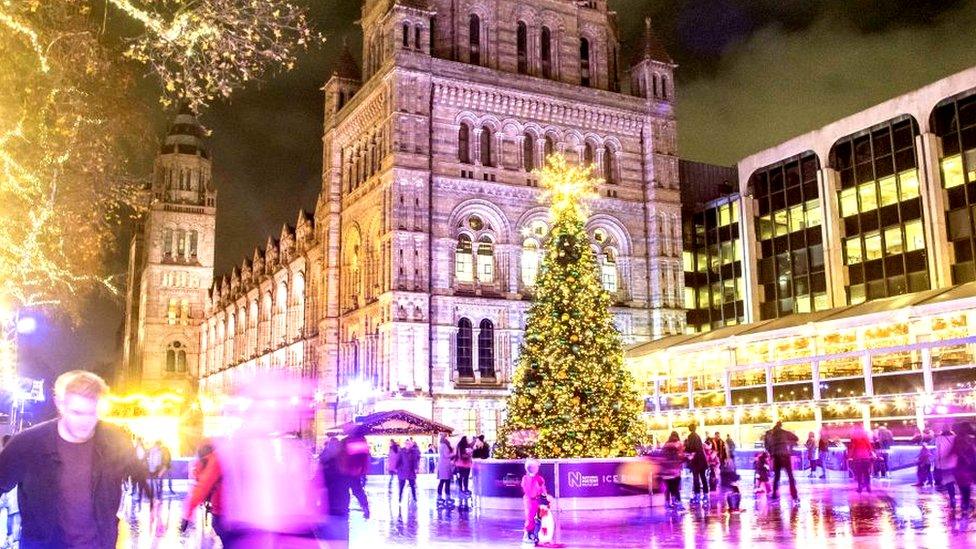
860	452
261	476
206	490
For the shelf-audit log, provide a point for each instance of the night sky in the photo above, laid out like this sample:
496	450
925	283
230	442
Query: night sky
751	73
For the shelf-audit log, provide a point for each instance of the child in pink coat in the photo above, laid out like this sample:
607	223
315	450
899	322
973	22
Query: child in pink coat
533	486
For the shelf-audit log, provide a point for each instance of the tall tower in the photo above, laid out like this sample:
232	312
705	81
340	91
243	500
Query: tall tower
652	79
429	214
171	262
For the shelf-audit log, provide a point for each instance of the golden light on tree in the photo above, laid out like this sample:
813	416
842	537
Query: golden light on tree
73	133
571	396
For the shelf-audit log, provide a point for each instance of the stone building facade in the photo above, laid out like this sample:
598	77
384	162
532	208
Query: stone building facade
409	287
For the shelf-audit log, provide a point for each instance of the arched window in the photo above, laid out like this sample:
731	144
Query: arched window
528	152
406	35
550	147
416	37
297	322
654	85
486	136
486	260
545	43
252	328
464	143
608	270
231	348
609	166
194	236
486	349
172	311
184	311
168	243
264	328
664	87
588	154
474	39
522	43
463	270
530	262
181	244
465	368
584	62
279	322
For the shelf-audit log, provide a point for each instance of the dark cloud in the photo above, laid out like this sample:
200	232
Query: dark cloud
780	83
752	72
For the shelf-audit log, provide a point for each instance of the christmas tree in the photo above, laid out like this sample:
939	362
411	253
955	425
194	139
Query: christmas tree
571	395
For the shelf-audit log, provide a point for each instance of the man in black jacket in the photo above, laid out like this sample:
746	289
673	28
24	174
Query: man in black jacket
779	443
698	465
69	471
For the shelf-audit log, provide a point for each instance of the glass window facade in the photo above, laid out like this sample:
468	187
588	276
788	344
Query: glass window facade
875	364
714	286
954	122
881	211
791	257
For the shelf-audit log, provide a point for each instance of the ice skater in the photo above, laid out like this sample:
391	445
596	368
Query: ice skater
533	486
445	472
672	458
761	479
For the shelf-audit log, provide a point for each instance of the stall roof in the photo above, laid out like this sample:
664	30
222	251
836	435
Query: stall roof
394	422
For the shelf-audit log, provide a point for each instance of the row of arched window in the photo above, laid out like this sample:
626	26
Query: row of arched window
178	311
416	33
180	279
546	54
182	179
474	256
180	244
486	156
471	353
362	161
658	86
274	319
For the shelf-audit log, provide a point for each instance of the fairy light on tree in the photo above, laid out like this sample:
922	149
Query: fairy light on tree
571	395
73	146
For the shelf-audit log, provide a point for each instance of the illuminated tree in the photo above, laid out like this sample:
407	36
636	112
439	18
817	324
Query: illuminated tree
72	129
571	395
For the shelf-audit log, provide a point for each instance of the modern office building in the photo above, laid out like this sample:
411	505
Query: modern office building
857	275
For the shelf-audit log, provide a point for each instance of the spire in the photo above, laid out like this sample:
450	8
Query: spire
186	135
347	67
650	47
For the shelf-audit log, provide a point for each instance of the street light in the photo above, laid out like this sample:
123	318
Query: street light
357	392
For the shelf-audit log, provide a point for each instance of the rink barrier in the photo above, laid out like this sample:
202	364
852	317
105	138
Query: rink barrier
576	484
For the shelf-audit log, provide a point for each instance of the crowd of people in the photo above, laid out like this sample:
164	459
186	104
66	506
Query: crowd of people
449	462
69	472
711	463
